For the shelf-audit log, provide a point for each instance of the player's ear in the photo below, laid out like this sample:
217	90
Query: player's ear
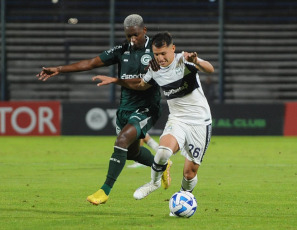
173	48
144	30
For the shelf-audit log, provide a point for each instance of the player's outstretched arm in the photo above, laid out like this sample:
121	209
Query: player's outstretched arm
105	80
48	72
201	64
136	83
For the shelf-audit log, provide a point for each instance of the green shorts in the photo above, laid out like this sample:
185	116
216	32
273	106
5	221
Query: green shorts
142	119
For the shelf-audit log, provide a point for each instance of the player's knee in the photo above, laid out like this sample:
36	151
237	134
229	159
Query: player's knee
162	155
120	142
123	140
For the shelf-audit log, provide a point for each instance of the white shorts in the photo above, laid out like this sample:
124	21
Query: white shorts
193	140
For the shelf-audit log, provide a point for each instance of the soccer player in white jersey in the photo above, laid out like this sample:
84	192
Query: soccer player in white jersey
189	123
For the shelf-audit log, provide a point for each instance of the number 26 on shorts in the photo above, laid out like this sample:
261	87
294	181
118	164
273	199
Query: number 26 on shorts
195	151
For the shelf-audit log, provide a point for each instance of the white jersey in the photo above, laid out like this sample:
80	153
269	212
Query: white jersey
182	88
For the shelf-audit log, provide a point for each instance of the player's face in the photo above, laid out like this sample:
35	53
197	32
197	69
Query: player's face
164	55
135	35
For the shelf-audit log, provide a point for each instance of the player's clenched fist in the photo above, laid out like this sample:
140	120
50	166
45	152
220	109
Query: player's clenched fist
191	57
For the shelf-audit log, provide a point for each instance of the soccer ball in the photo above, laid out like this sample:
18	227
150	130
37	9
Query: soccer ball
182	204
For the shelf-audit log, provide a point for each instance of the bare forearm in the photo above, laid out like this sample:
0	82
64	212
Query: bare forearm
78	66
136	84
130	83
204	66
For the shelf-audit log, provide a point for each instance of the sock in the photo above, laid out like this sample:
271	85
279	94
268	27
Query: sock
145	157
189	185
157	171
106	188
153	144
116	164
160	163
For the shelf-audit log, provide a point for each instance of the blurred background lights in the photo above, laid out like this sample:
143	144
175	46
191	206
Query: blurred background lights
72	21
55	1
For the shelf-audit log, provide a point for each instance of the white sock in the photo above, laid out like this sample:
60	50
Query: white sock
160	163
189	185
153	144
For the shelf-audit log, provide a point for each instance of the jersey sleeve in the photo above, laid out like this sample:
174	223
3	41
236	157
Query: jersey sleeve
148	77
112	56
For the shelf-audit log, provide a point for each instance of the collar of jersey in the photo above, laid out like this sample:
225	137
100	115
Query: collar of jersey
145	45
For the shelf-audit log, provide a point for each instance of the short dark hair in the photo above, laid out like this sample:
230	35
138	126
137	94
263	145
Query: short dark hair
162	39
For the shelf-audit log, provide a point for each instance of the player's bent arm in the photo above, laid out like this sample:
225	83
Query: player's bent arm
200	64
136	83
203	66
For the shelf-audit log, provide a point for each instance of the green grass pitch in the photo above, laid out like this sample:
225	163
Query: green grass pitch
244	183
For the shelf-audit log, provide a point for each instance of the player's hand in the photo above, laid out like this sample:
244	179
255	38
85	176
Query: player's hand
154	65
191	57
46	73
105	80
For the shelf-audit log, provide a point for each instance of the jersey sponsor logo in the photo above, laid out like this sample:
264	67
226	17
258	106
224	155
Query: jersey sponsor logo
132	76
127	52
145	59
168	93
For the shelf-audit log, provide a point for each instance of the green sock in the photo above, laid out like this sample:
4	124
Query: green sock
116	164
145	157
106	188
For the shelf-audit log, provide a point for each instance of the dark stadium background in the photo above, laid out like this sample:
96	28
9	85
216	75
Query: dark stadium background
252	45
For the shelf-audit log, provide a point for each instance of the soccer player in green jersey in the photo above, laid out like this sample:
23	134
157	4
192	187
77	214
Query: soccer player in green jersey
138	111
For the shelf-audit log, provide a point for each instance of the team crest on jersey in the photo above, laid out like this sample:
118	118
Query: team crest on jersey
145	59
178	70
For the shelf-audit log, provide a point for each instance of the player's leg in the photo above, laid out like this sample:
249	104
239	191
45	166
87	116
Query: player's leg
168	144
151	142
126	137
197	141
136	165
190	178
142	156
142	122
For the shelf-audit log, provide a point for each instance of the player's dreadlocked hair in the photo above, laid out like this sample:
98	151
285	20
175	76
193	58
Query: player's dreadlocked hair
162	39
133	20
